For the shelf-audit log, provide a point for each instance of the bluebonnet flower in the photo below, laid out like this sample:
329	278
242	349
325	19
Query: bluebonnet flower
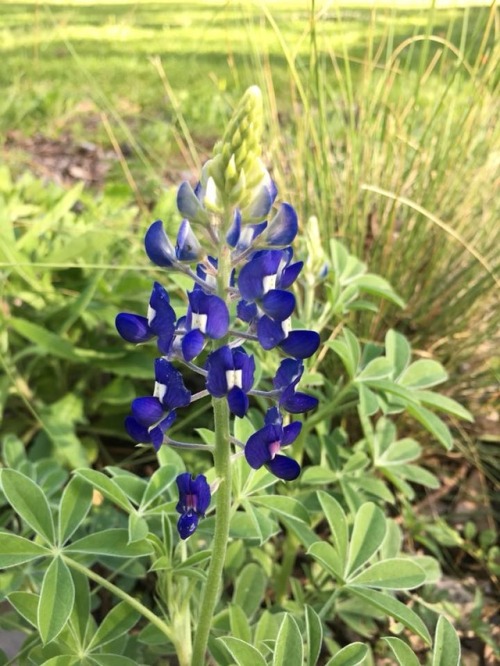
194	500
262	448
230	373
231	210
159	323
153	415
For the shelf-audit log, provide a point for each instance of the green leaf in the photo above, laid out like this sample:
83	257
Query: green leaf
379	368
350	655
446	650
288	650
378	286
403	652
137	528
283	506
343	351
249	588
242	652
338	526
106	486
120	619
75	503
62	660
48	342
112	660
240	627
13	450
26	604
393	574
395	609
314	631
422	374
56	600
444	404
110	542
158	484
80	615
401	451
16	550
367	535
29	502
433	424
328	556
398	351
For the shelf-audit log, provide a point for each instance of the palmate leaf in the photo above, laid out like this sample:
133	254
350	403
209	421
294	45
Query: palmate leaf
350	655
446	644
16	550
106	486
314	631
74	506
110	542
26	604
367	535
288	650
117	622
28	500
249	588
238	621
56	600
403	652
392	574
242	652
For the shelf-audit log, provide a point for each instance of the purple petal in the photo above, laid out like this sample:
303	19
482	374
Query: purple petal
132	327
172	392
161	315
187	247
137	431
192	344
291	432
158	246
289	275
233	234
296	402
257	447
147	410
237	401
242	361
283	227
218	318
269	332
273	417
248	234
278	304
246	311
183	482
289	372
187	524
250	280
201	488
300	344
218	362
187	201
284	468
260	205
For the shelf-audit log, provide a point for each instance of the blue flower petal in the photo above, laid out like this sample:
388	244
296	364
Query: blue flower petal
218	362
147	410
187	202
242	361
233	234
137	431
158	246
289	373
278	304
218	318
296	402
283	227
161	315
300	344
192	344
201	488
133	328
289	275
251	277
260	204
187	247
273	417
290	433
237	401
172	392
249	232
269	332
257	447
284	468
246	311
187	524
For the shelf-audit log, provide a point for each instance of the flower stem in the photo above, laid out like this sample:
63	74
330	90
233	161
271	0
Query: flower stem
223	507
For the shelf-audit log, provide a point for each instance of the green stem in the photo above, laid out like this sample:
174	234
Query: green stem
143	610
223	507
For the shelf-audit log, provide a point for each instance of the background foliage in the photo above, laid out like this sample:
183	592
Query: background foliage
382	125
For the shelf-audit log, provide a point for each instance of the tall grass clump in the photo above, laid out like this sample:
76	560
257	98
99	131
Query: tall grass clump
391	144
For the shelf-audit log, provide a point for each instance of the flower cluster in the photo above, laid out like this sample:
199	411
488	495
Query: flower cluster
242	268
